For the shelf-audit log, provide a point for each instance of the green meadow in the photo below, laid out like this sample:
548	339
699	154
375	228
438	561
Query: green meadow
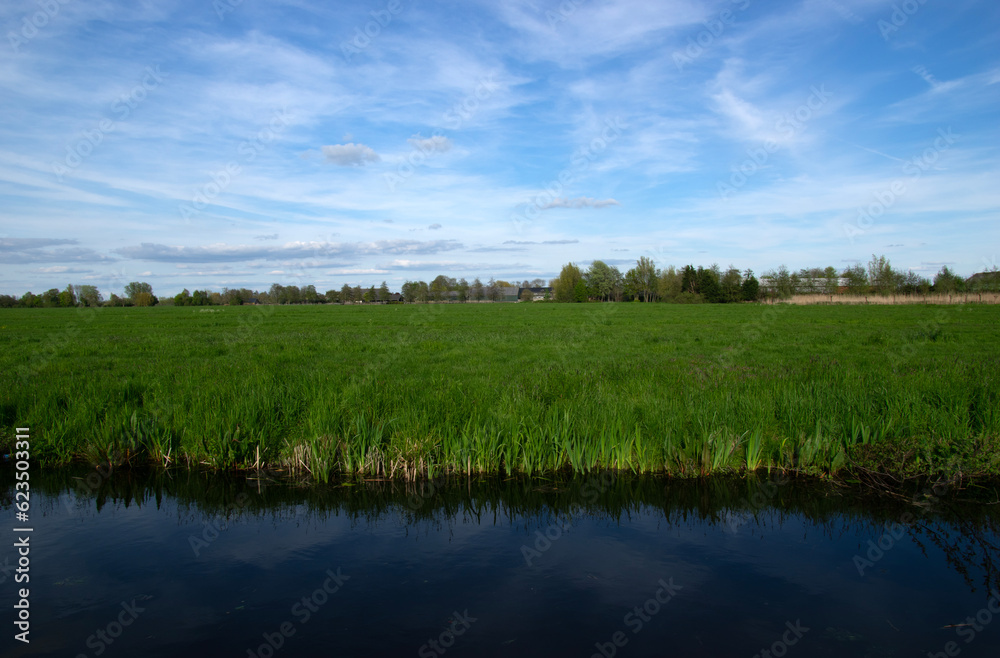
408	391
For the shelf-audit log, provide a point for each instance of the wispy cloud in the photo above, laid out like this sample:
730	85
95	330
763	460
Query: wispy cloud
435	144
580	202
293	250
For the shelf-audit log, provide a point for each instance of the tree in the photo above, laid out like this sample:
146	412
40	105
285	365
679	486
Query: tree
914	284
780	283
794	284
439	287
67	298
292	295
565	285
89	295
478	293
493	290
855	279
527	295
669	284
232	297
357	294
580	292
309	294
750	290
383	293
600	280
948	281
708	284
881	276
832	283
145	299
332	296
731	285
183	298
50	298
810	281
415	291
135	288
646	278
689	280
462	288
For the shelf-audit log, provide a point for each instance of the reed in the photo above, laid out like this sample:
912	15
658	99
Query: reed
402	392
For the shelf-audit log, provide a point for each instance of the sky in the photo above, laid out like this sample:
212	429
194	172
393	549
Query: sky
240	143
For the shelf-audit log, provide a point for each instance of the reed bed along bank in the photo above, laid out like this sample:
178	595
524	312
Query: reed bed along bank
411	391
893	300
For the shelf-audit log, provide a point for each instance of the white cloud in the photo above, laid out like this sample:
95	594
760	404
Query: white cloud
350	155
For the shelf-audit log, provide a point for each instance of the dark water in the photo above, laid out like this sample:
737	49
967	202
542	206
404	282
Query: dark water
191	564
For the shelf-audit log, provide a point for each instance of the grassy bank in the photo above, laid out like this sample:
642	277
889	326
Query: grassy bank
417	390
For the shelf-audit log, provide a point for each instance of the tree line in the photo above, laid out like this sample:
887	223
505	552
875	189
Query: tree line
690	284
599	282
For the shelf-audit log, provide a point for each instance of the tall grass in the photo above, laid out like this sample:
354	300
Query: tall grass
403	392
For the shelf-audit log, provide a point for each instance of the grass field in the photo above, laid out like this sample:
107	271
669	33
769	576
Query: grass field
419	390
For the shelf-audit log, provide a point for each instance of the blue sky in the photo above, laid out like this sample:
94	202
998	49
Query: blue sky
231	144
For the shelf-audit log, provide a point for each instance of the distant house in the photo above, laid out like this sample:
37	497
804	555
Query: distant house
537	294
984	281
252	300
509	293
395	298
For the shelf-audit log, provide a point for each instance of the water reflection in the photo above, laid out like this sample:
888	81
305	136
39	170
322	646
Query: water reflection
202	564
